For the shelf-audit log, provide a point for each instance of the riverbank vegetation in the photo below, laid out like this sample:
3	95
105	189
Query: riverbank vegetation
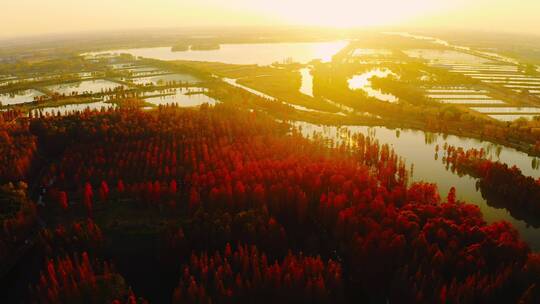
503	186
331	82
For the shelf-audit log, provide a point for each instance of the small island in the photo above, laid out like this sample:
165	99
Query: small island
181	47
205	47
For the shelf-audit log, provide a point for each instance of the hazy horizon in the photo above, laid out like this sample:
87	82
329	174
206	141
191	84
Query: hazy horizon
30	18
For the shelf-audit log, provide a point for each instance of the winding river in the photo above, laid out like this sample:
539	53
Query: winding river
417	148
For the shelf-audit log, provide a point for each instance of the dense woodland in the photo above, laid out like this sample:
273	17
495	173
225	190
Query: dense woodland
503	186
229	206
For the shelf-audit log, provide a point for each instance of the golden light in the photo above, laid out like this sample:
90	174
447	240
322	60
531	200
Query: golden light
31	17
347	13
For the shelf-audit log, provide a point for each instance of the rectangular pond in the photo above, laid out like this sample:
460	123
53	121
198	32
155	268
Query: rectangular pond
185	97
512	117
520	86
456	91
481	67
502	110
118	66
144	71
471	101
486	78
86	86
475	71
72	108
19	97
460	96
163	79
505	76
445	56
512	82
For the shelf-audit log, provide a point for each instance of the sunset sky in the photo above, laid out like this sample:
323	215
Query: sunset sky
28	17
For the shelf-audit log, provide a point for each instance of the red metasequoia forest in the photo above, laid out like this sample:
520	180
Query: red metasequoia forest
240	208
504	186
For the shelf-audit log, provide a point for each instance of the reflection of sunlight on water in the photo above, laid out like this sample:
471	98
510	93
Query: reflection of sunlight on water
72	108
189	97
501	110
307	82
371	52
417	148
19	97
162	79
512	117
457	47
92	86
248	53
363	82
234	82
326	51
